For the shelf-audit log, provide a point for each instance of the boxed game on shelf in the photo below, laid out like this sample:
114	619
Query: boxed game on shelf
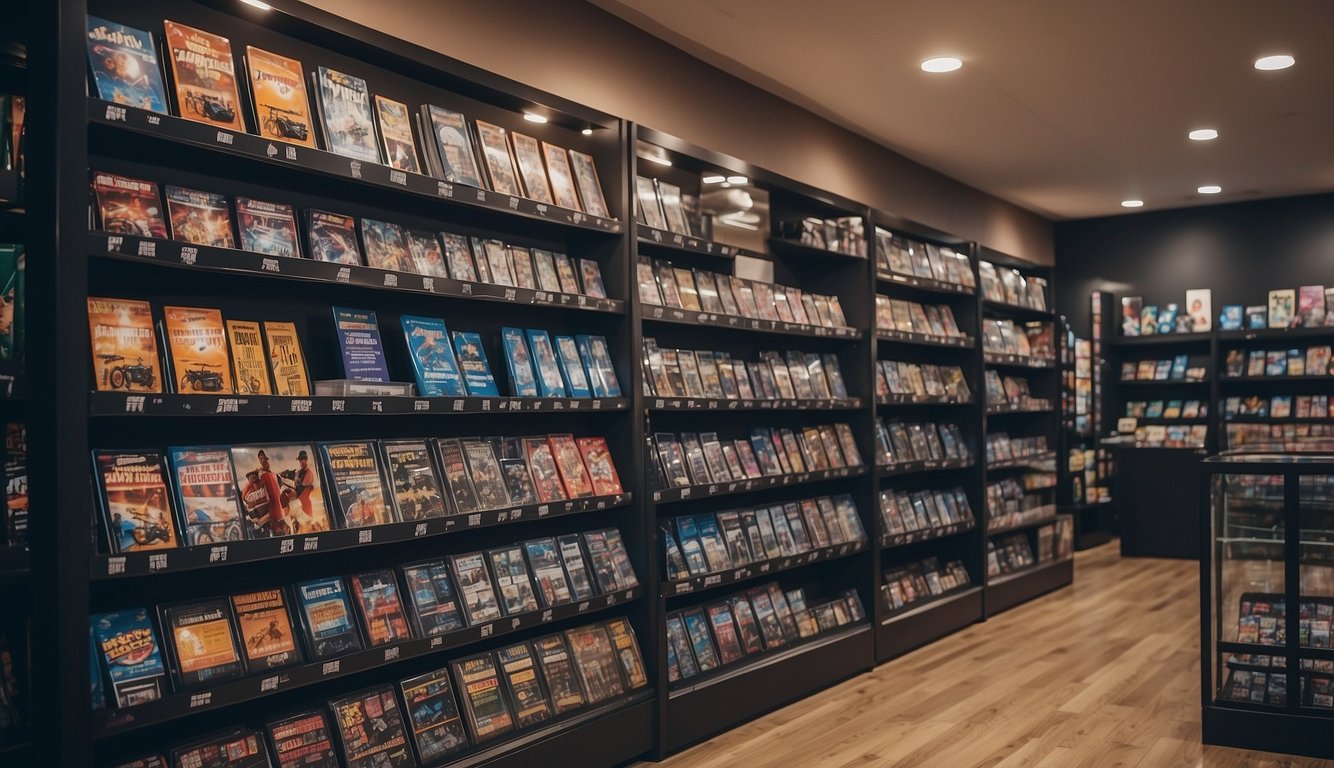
898	255
1277	407
133	206
771	376
925	511
1056	540
1009	504
900	444
1171	435
1310	306
150	499
202	643
897	378
663	205
1312	361
1001	447
1008	554
1140	319
350	120
1010	286
15	530
1176	368
732	628
1012	393
1280	437
905	586
442	713
699	290
1031	340
842	235
697	545
931	320
1187	410
690	458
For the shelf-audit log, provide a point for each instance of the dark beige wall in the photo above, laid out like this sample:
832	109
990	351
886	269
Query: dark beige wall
576	50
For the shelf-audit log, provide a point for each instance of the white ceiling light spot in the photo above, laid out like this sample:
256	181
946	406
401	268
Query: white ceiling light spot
587	131
1209	189
940	64
1274	62
1203	134
263	6
658	159
533	117
1132	203
738	180
715	179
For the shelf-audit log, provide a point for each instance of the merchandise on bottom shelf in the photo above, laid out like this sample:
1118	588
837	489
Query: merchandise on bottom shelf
702	458
1008	554
1010	286
898	443
701	639
1278	363
696	545
898	255
662	284
910	512
895	377
14	532
1168	409
1008	504
258	491
248	634
1032	339
1002	447
790	375
913	317
422	719
1056	540
1260	678
907	585
1178	368
1012	392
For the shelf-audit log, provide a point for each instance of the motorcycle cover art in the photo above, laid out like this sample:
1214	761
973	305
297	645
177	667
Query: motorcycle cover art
197	344
206	495
280	487
124	346
278	88
205	75
135	501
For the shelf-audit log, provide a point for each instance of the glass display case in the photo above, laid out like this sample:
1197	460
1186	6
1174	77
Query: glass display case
1267	669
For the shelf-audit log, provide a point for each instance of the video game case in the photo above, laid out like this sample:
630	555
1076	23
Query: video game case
518	668
485	705
558	672
512	579
346	120
576	566
125	66
379	607
370	729
135	501
433	716
595	659
130	656
235	748
264	627
201	643
302	740
326	613
480	602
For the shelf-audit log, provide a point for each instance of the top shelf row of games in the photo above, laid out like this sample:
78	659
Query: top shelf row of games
126	70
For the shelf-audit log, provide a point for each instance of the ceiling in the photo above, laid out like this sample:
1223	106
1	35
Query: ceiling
1065	108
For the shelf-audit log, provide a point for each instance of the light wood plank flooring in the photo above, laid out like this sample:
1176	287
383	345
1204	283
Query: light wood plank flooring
1102	674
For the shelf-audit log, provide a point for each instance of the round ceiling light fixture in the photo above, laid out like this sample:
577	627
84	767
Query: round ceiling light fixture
940	64
1203	134
1274	62
1209	189
1132	203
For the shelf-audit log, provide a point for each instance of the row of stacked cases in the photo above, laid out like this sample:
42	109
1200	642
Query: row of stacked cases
469	640
15	615
1023	433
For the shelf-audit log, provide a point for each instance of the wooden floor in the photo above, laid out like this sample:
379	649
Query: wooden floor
1104	673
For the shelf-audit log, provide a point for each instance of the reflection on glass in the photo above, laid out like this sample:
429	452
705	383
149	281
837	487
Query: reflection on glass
1316	548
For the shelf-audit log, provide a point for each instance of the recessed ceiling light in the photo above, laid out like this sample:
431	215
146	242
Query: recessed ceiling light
1132	203
714	179
941	64
587	131
1276	61
1209	189
658	160
260	4
738	180
1203	134
533	117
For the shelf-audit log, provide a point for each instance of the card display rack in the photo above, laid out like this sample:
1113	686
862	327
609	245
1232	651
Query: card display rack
694	708
1044	379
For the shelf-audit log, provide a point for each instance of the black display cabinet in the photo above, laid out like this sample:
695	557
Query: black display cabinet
1267	669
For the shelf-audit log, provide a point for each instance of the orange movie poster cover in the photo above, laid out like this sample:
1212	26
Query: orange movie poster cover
285	359
205	76
249	363
197	343
278	88
124	345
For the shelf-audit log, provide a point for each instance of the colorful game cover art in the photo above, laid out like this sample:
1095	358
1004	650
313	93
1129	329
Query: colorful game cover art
327	615
265	629
354	470
561	176
496	153
205	75
250	366
434	715
528	154
201	218
381	608
128	206
285	360
590	186
332	237
428	258
454	144
601	470
359	340
131	655
433	361
124	345
386	247
197	343
303	740
202	641
206	495
125	66
280	491
412	475
278	91
345	111
135	500
400	148
268	228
